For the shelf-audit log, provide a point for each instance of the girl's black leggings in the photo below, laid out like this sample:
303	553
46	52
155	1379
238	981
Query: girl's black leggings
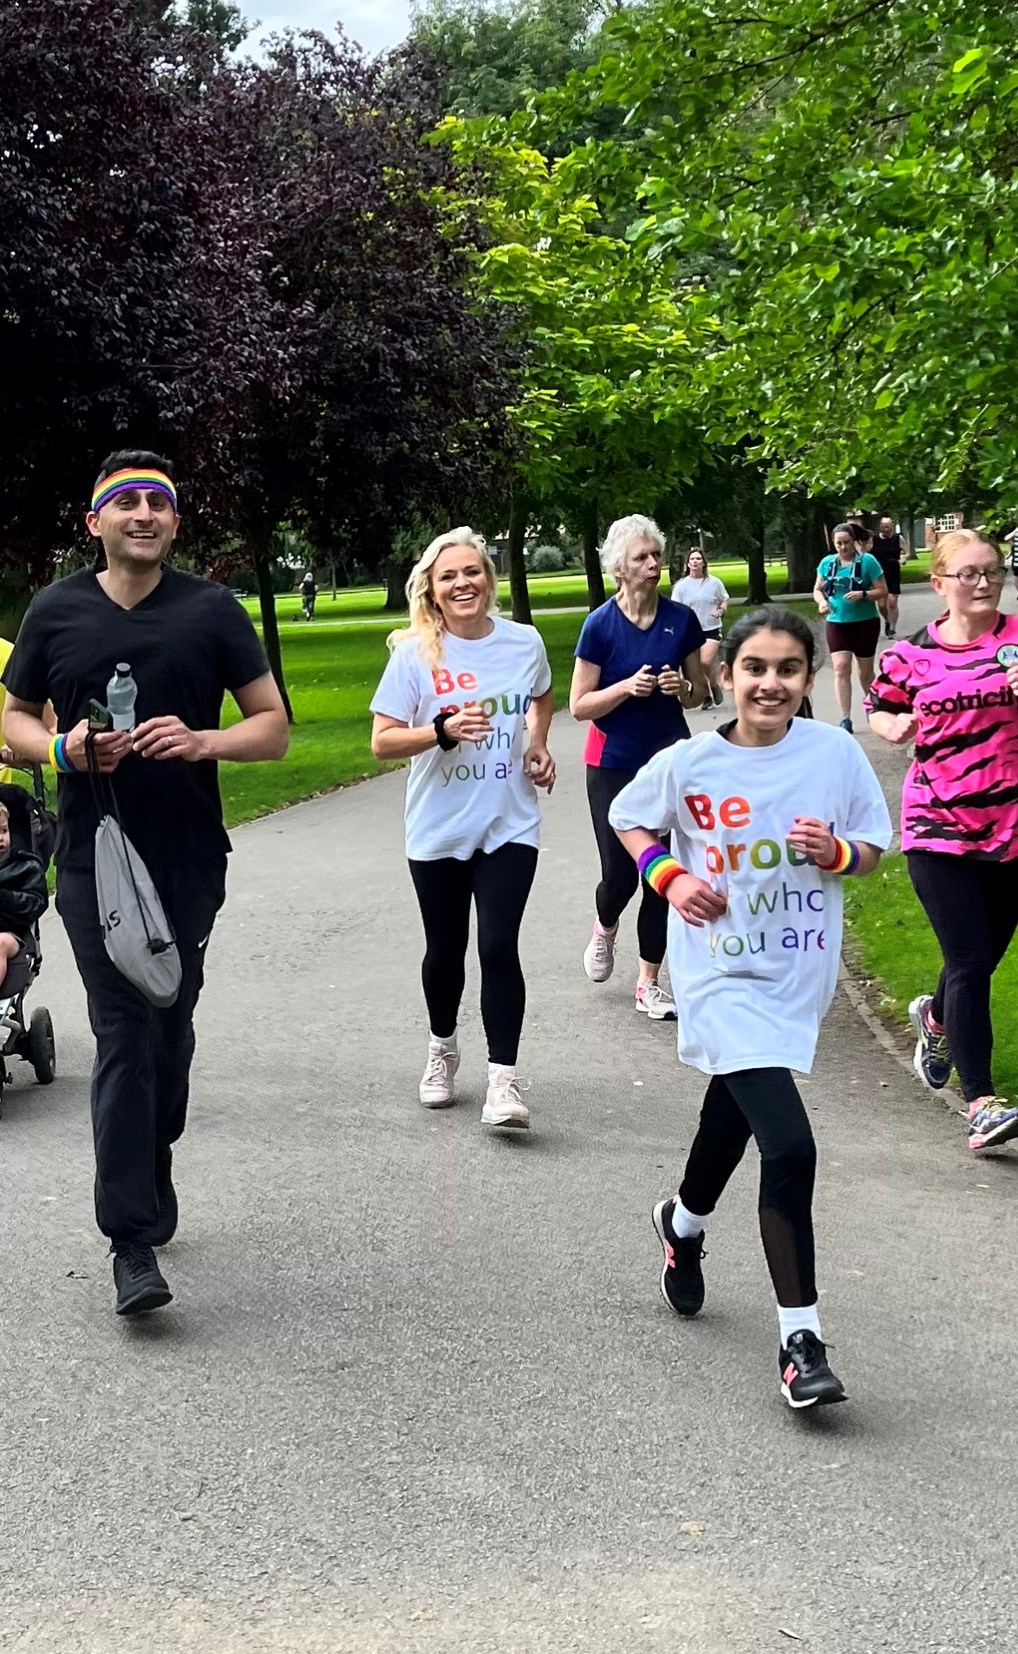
763	1103
498	882
619	873
972	907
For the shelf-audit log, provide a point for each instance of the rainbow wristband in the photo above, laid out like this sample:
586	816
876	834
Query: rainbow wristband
58	758
846	858
658	868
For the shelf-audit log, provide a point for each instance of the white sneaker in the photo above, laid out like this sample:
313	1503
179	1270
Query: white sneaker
503	1105
438	1084
654	1002
599	954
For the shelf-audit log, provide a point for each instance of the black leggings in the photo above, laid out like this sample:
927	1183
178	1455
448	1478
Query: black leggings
763	1103
619	873
972	907
499	883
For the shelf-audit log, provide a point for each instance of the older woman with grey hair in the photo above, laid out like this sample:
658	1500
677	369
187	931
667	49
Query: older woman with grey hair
637	667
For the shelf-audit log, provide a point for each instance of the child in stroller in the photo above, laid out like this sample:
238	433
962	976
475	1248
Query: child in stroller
26	844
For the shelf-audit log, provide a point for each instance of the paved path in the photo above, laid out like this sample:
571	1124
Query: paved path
418	1390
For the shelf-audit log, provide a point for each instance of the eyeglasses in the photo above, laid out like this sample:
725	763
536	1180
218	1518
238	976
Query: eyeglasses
972	577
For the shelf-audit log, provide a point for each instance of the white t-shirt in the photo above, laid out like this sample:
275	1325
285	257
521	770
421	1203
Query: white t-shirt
475	797
703	597
751	989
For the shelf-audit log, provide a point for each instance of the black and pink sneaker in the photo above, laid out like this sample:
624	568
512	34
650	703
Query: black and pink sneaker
806	1379
681	1277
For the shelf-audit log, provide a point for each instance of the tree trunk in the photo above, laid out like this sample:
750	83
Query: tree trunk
270	623
756	558
395	586
591	562
519	591
806	544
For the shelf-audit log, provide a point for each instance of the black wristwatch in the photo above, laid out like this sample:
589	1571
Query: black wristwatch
440	736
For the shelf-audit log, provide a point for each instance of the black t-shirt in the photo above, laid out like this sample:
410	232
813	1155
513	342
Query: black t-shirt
187	643
887	552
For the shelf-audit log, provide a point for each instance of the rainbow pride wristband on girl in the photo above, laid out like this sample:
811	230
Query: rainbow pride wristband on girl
846	858
58	756
657	867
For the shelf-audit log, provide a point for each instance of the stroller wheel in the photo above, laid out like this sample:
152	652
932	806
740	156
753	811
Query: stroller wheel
42	1051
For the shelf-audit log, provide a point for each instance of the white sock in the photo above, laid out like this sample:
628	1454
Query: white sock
798	1320
451	1043
500	1070
686	1225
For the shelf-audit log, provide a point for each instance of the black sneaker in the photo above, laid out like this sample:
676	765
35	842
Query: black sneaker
167	1225
140	1285
932	1056
806	1379
681	1277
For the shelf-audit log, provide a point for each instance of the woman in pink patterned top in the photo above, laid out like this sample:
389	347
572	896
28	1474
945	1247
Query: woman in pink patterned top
952	689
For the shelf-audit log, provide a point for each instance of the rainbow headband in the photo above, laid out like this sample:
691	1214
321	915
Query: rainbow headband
121	481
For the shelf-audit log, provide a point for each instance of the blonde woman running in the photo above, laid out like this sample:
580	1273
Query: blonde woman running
461	689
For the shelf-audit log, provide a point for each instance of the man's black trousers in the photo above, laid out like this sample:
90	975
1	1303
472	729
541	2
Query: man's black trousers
142	1066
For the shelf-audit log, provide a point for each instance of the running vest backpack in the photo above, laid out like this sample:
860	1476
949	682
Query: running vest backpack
829	568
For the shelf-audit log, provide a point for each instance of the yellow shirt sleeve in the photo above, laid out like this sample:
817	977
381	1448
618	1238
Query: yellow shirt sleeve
9	777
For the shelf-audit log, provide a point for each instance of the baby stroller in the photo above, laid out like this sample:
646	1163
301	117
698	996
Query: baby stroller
32	828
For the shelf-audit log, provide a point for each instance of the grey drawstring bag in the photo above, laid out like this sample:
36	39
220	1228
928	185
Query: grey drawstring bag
136	931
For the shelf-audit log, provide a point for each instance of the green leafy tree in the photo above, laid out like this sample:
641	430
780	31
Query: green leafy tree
217	18
491	55
604	420
847	167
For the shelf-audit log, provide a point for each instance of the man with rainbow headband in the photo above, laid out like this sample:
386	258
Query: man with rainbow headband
187	641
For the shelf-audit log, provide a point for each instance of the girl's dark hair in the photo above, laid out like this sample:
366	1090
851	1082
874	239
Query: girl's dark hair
772	618
860	533
694	551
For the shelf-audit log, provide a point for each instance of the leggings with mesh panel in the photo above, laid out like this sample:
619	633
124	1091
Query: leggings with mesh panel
619	872
763	1103
498	883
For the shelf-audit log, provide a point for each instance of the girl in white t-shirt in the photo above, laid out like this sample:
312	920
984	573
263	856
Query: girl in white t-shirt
460	691
755	885
705	594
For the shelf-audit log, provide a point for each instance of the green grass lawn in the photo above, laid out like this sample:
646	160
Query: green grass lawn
893	945
550	591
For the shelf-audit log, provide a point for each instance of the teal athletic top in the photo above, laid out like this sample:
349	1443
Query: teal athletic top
862	573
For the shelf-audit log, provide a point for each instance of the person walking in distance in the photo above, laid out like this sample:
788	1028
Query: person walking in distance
460	691
705	594
164	646
849	585
754	883
637	666
308	595
887	549
952	690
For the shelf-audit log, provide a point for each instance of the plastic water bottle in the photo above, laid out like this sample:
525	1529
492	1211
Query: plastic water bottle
121	694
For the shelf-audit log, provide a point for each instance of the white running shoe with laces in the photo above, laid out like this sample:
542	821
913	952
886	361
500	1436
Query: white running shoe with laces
599	954
504	1105
652	1000
438	1082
